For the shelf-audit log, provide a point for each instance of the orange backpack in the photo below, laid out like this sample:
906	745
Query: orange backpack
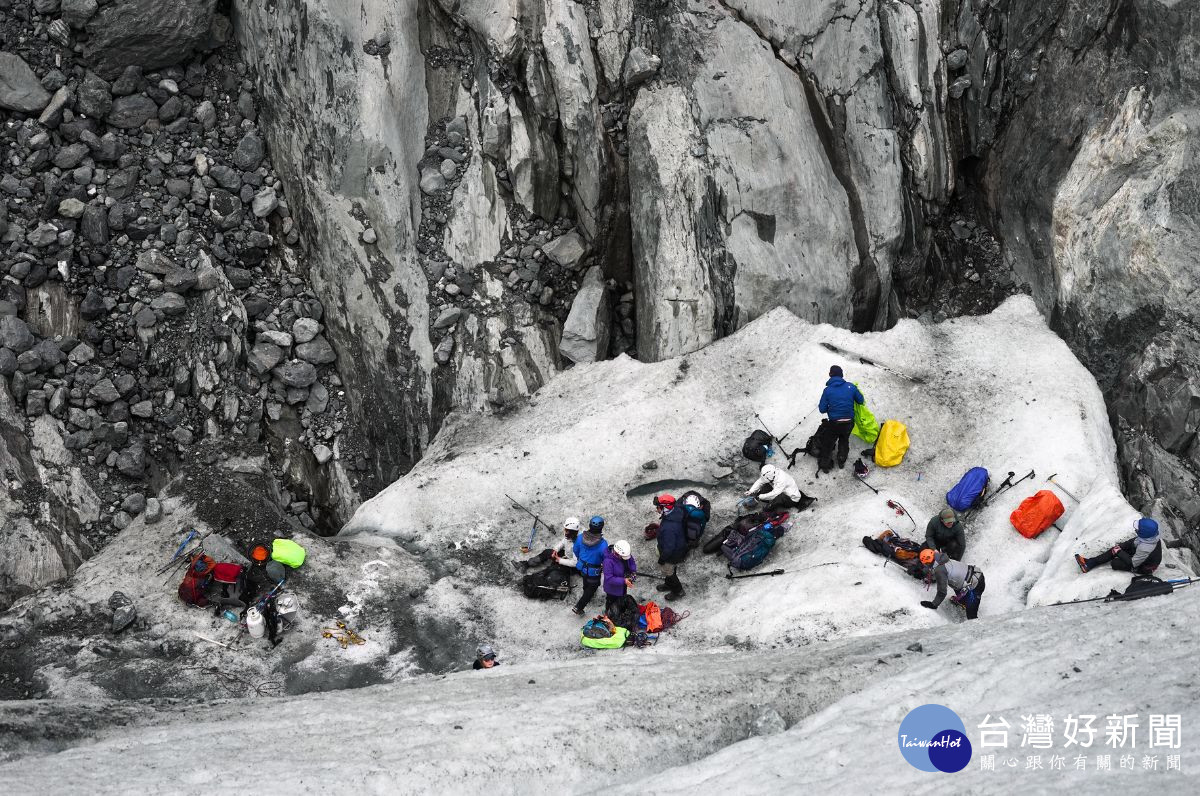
1036	513
653	616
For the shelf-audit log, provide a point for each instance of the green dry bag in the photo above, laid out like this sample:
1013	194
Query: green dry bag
285	551
866	427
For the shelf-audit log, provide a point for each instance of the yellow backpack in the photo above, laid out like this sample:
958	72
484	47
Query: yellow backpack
892	444
285	551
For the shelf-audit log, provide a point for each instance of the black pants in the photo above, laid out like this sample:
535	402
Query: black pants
782	501
1122	560
843	429
590	585
540	558
971	603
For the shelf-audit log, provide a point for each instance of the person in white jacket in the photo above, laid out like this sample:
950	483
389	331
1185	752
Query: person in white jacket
562	554
779	490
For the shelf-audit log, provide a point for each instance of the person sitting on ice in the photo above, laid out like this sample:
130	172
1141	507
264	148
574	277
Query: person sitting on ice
945	532
562	554
966	581
486	657
1141	555
782	492
619	571
590	547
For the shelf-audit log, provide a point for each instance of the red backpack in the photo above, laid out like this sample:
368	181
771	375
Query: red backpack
193	590
1036	513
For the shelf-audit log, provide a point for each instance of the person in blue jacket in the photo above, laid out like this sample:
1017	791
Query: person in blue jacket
837	402
590	547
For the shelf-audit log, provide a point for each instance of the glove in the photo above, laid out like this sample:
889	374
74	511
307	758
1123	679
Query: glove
928	604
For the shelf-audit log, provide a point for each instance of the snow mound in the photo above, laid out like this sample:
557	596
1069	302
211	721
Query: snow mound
1001	391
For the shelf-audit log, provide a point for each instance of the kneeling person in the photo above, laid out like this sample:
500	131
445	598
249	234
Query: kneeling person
778	489
945	533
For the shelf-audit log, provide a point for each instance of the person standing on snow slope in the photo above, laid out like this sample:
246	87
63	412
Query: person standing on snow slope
837	402
672	544
783	494
965	579
589	550
1141	555
619	571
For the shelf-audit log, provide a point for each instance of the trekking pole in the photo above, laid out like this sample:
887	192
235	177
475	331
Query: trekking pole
536	518
532	533
638	575
901	511
764	425
770	574
793	428
863	481
1005	484
1063	488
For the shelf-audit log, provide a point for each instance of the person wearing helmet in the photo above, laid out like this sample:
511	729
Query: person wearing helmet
966	581
1141	555
562	554
837	402
779	490
944	532
619	571
485	657
589	549
672	544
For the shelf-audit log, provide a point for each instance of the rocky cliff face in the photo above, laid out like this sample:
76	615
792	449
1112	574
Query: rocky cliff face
409	207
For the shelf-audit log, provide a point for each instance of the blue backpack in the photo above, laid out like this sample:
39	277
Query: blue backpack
746	551
969	490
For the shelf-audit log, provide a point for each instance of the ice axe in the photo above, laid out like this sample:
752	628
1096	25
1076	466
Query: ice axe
862	476
1063	488
770	574
536	520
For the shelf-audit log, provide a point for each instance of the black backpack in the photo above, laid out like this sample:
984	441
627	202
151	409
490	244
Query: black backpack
625	613
553	581
756	445
820	445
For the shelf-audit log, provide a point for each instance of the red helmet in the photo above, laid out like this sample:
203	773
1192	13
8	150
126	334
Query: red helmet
665	502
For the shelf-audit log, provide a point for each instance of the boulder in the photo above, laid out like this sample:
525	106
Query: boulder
94	98
296	373
148	33
20	89
15	335
640	66
154	262
566	250
169	304
263	357
250	152
132	111
305	329
317	351
77	12
131	462
586	331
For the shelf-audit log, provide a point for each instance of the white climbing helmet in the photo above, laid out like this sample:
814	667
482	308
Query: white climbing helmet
571	524
621	548
768	471
692	500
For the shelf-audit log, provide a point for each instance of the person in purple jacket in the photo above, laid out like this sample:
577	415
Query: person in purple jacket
619	571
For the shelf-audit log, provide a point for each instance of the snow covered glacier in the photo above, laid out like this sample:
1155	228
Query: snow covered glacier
785	684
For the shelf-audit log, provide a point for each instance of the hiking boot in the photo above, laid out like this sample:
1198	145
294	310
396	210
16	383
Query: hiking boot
1082	562
661	587
520	566
674	595
841	464
577	611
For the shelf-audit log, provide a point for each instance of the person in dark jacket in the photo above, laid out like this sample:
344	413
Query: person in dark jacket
837	401
945	532
1141	555
485	658
672	545
619	571
589	549
966	581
